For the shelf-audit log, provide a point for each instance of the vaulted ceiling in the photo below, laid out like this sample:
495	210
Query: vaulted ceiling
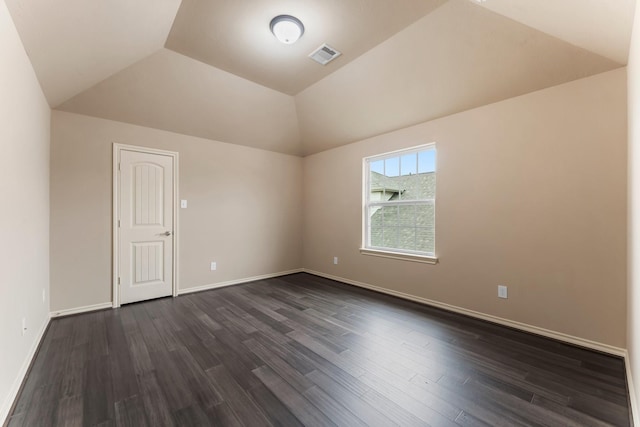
211	68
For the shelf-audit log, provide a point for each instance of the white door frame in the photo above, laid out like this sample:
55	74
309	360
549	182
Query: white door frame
117	148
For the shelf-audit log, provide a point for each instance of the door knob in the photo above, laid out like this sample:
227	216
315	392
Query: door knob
166	233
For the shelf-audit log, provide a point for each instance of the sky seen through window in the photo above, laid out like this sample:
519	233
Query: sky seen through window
408	164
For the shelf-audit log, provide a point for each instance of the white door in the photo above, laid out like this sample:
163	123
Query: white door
146	226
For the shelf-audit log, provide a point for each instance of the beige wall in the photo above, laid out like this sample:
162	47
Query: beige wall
24	216
633	298
243	208
531	194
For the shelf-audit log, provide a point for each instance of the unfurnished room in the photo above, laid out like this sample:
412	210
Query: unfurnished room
319	213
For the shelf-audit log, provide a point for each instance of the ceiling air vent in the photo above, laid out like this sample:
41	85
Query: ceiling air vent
324	54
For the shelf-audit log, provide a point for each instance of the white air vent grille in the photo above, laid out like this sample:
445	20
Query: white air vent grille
324	54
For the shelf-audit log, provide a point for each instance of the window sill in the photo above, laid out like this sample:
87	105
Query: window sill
399	255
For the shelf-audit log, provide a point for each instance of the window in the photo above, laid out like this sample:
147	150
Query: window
399	199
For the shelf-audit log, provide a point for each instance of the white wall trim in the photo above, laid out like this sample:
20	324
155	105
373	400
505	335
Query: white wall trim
102	306
237	281
17	383
632	391
84	309
592	345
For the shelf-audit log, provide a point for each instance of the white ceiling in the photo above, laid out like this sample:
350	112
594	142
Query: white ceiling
74	44
202	67
234	35
599	26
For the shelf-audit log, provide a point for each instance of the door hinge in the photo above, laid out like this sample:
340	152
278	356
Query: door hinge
118	223
118	281
118	165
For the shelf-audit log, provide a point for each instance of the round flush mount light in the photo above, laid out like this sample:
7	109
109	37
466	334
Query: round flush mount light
288	29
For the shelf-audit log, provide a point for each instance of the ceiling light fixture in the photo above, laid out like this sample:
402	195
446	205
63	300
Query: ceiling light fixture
288	29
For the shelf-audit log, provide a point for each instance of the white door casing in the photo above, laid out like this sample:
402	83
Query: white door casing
144	205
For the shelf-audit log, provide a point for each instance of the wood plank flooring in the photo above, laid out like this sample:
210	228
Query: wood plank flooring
303	350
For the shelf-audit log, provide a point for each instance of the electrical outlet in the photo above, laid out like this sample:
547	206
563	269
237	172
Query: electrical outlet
335	260
24	326
183	204
502	291
214	266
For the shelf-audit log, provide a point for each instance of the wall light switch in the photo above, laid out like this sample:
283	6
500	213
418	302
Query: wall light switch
502	292
335	260
214	266
183	204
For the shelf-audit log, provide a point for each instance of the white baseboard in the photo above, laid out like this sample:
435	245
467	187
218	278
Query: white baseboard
237	281
632	391
78	310
592	345
17	383
102	306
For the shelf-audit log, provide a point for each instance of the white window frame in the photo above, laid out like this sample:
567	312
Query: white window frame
367	249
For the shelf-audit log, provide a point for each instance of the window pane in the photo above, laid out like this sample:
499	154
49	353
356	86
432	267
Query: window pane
390	237
392	166
407	238
377	166
390	215
376	236
428	185
375	216
378	185
410	187
427	161
409	164
425	239
406	215
425	216
417	187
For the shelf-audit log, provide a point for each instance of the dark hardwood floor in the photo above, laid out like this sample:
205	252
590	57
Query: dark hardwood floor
303	350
